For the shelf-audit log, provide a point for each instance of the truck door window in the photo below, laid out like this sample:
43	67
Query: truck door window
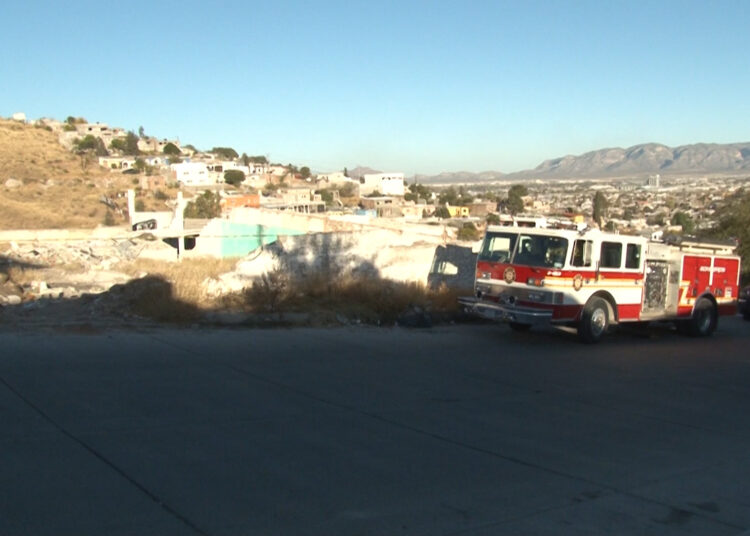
633	256
581	253
541	251
611	255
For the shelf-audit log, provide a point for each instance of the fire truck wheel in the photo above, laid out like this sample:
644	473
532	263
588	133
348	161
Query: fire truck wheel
704	320
594	320
518	326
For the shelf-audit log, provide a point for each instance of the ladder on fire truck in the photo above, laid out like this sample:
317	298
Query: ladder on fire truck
691	244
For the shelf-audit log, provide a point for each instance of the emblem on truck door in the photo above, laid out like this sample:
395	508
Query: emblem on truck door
577	282
509	275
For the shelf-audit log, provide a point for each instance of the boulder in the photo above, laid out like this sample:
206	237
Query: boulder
13	183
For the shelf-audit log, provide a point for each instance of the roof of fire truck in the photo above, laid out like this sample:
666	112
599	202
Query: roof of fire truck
683	243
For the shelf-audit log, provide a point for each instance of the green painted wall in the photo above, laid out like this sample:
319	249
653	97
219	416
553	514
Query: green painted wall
239	239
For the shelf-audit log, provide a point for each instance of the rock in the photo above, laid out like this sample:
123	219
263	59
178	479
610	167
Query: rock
11	299
13	183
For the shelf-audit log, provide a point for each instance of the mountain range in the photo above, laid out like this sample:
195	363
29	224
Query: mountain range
637	161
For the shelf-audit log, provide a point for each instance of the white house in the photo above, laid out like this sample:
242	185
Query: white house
192	173
383	183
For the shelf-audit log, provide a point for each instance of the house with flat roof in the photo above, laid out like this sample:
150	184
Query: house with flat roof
192	174
386	184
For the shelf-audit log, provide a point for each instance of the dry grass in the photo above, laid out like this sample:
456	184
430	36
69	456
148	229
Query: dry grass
370	300
187	276
57	191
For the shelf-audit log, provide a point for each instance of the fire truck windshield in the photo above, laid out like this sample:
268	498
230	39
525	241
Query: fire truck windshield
525	249
498	247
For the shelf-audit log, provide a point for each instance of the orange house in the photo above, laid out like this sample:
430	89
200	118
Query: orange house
237	201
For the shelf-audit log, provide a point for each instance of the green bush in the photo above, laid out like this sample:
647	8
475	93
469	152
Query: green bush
205	206
234	177
468	232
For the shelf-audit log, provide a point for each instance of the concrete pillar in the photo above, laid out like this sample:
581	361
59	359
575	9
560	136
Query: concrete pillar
131	206
179	223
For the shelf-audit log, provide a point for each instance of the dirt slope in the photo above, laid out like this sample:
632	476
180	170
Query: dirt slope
57	191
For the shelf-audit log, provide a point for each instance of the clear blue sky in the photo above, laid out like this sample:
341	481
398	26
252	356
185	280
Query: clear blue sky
410	86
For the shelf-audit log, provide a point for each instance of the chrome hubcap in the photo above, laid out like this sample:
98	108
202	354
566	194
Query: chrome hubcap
598	322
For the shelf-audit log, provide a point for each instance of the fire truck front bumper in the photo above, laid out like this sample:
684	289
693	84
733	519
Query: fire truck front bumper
505	312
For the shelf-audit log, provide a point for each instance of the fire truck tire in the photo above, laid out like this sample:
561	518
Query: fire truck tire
594	320
518	326
704	320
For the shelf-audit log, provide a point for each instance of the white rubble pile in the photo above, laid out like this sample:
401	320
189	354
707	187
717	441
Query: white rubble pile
50	259
93	254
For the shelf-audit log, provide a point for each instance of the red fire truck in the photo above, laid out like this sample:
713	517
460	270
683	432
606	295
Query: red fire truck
591	279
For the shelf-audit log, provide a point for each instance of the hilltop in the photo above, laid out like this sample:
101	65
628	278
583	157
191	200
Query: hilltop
43	185
636	161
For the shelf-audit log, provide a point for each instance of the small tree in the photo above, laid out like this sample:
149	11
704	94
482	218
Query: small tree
171	149
492	219
600	208
683	219
234	177
514	203
327	196
204	206
468	232
450	196
140	165
118	144
225	152
348	190
305	172
87	143
131	144
442	212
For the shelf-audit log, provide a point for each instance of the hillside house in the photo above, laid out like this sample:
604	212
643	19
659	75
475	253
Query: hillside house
386	184
458	212
192	174
155	145
384	206
480	209
116	163
297	199
231	202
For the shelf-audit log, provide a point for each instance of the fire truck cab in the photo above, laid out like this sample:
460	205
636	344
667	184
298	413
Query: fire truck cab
591	280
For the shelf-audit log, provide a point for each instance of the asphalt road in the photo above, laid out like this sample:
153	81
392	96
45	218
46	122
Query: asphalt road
465	429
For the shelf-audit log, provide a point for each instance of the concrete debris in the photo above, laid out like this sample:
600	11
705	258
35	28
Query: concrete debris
52	263
13	183
91	254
